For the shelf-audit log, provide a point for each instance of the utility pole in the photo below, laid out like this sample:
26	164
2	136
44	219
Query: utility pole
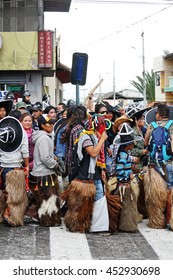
100	90
114	93
77	95
143	66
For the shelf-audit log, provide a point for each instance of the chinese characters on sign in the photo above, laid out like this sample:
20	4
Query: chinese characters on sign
45	49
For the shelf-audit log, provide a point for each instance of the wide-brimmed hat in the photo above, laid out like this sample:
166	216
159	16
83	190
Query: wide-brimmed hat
135	110
7	104
151	115
126	136
11	134
119	106
119	121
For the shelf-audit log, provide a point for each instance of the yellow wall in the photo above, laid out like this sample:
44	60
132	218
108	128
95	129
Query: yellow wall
20	51
169	97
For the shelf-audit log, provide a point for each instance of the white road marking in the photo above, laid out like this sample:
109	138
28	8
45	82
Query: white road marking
161	240
65	245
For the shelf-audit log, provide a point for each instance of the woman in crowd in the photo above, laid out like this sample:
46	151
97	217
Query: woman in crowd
51	112
74	128
26	121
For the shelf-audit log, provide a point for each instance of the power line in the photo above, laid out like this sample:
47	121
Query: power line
123	29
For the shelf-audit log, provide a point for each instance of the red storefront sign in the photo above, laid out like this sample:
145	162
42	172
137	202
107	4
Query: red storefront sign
45	49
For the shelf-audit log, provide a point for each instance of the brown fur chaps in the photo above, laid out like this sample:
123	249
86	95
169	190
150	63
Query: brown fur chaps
80	202
138	187
16	197
113	203
155	196
128	221
114	208
169	208
46	192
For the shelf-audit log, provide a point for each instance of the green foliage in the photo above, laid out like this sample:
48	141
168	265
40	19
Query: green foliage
150	85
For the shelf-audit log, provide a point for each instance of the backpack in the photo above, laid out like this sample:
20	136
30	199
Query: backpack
76	162
160	143
60	148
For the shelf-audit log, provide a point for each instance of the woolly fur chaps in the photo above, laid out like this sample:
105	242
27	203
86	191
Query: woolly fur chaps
80	202
17	196
156	196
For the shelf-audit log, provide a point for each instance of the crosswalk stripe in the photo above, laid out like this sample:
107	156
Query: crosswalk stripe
161	240
65	245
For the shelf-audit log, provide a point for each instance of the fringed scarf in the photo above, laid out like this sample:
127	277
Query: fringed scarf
101	159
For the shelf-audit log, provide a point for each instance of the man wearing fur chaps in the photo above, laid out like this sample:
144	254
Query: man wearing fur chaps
44	202
44	205
128	220
158	183
86	201
14	163
16	198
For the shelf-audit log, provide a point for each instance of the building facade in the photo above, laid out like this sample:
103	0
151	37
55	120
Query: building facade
163	70
28	53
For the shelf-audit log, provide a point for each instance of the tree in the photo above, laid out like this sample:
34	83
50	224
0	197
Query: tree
150	85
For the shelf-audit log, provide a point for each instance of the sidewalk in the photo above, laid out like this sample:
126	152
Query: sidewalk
161	240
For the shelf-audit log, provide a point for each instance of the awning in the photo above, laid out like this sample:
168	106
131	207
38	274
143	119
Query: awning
57	5
63	73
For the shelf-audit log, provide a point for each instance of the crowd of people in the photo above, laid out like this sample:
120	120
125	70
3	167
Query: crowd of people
93	170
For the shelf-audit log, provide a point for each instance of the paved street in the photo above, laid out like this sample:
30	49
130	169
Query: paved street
56	243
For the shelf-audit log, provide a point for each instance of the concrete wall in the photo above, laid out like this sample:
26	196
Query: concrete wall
20	51
35	86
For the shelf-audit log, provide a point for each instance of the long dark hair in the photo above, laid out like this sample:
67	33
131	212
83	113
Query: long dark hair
78	116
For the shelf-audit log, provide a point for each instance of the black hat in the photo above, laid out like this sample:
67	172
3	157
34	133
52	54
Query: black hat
135	110
119	105
126	135
112	109
10	95
44	118
7	104
36	107
11	134
151	115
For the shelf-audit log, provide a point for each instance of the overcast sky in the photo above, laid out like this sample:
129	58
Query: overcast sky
112	32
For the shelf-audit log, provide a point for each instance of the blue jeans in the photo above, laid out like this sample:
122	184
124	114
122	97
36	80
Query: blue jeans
169	179
108	162
99	189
